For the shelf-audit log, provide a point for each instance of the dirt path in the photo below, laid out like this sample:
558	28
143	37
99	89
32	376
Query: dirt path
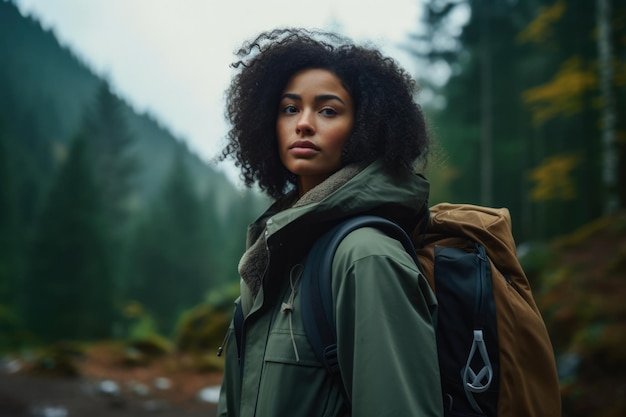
105	387
32	396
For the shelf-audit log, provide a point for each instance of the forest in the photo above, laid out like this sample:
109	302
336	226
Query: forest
112	229
108	224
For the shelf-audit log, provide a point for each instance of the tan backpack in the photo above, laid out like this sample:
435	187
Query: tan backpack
528	384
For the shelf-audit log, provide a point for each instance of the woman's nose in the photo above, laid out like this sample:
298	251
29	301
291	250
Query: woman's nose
305	125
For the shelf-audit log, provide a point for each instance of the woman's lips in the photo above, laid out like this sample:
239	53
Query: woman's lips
304	148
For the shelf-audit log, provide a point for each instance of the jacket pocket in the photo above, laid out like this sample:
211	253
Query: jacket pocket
283	347
295	384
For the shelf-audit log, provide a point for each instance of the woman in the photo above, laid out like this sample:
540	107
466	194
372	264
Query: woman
330	130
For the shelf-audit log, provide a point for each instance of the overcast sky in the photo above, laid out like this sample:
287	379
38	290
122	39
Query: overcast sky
171	57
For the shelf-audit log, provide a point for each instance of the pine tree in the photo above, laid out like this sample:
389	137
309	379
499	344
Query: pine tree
115	168
105	126
172	262
69	285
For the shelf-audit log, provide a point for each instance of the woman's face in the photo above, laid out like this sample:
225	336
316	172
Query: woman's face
315	118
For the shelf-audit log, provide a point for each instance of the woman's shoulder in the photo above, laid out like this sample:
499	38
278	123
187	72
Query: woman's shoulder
367	242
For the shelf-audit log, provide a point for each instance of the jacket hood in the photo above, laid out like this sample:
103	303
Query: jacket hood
373	190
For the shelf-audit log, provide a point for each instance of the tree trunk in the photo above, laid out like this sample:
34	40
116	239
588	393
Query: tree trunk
605	66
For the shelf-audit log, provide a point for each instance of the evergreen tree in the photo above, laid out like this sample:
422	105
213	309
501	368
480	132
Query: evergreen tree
105	126
173	266
32	153
115	168
227	231
69	288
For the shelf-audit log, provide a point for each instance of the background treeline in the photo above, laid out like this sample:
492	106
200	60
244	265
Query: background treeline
107	221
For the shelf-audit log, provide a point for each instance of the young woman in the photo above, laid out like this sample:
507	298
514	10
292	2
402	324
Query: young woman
330	130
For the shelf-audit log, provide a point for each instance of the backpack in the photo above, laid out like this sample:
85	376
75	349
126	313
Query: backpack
495	356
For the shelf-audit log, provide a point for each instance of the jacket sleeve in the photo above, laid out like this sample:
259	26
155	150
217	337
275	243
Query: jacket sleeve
385	335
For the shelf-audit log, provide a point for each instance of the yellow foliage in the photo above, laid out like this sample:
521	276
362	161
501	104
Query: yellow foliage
540	29
552	179
562	95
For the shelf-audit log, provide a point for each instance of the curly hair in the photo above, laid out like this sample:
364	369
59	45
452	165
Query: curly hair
388	124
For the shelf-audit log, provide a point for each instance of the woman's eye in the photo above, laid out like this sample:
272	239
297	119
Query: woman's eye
328	112
290	109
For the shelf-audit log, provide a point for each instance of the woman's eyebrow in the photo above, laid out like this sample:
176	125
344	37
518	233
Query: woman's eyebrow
291	96
319	98
327	97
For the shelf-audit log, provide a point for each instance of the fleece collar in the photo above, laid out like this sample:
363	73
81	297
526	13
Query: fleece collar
254	261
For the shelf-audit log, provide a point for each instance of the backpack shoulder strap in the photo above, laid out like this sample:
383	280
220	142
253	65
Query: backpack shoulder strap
316	288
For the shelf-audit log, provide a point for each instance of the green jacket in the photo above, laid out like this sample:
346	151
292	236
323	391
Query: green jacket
386	342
